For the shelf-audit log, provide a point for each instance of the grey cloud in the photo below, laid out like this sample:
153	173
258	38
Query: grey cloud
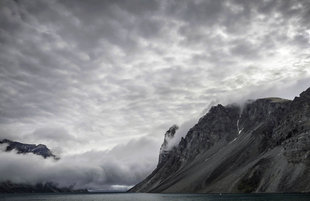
54	134
92	170
91	75
245	49
243	19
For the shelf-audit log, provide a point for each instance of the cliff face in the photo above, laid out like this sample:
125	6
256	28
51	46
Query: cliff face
165	149
261	147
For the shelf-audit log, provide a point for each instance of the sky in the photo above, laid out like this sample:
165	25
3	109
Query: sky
100	82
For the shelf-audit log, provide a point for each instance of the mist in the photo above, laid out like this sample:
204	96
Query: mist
112	170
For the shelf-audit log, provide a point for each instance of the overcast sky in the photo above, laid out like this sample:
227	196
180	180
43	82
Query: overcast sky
108	78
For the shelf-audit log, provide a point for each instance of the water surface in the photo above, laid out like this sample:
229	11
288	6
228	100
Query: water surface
153	197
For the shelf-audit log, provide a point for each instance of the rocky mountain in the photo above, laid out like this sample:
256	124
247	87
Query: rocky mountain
165	149
22	148
262	146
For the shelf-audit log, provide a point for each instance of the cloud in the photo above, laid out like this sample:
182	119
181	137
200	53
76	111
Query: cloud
81	76
181	132
97	170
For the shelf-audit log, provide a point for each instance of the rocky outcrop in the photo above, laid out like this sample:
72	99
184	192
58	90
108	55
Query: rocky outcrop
263	146
22	148
165	148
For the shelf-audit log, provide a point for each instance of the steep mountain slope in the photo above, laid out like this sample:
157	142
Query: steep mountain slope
262	147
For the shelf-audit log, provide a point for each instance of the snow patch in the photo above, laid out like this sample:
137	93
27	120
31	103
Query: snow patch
239	130
232	141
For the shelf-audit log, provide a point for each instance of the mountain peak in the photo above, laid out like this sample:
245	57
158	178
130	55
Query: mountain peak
170	133
305	94
165	149
22	148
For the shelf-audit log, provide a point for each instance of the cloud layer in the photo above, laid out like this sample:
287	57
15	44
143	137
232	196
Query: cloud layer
95	170
86	76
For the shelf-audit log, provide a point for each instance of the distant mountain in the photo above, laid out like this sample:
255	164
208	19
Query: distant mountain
41	150
22	148
9	187
263	146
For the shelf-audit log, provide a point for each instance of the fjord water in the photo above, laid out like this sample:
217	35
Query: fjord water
154	197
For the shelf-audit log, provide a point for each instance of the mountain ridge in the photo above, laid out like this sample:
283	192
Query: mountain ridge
23	148
260	147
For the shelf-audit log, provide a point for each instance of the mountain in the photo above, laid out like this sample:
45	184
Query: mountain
9	187
262	146
22	148
41	150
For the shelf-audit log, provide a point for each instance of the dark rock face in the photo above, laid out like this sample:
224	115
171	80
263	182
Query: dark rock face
261	147
22	148
165	149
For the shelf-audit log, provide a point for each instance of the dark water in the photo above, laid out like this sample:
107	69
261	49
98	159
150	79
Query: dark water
154	197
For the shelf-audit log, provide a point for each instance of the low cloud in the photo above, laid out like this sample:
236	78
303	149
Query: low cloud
181	132
96	170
